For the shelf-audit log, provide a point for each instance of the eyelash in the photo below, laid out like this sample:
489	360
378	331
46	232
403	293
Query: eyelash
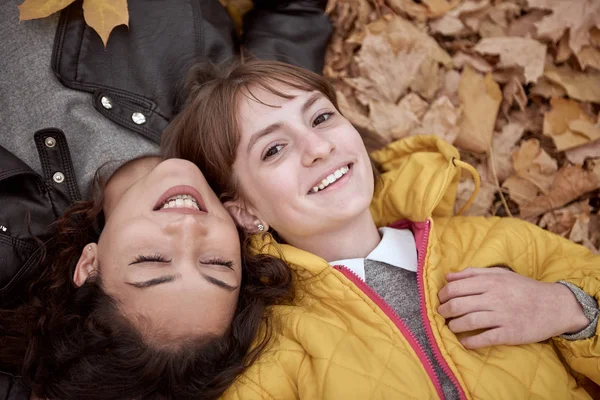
151	258
268	156
219	261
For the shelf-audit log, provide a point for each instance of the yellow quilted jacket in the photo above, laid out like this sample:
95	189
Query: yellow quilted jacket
340	340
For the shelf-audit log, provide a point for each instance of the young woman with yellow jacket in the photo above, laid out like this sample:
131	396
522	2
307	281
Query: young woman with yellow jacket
408	311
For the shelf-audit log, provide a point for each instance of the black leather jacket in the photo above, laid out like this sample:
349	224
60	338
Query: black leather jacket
137	89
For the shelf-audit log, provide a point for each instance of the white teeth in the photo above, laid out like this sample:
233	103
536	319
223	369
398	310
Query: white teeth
337	174
181	201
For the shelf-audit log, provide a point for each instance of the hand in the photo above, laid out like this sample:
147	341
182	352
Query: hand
511	308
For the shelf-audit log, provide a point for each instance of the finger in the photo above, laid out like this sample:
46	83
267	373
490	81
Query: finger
459	306
473	321
491	337
473	271
463	287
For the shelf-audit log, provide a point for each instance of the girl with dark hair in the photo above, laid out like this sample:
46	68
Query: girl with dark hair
386	306
145	294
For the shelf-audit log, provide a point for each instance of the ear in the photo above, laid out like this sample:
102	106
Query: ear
244	217
87	263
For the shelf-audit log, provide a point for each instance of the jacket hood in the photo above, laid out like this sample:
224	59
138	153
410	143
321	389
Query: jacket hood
419	179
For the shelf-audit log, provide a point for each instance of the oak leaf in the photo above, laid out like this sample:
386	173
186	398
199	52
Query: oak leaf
578	16
570	182
480	98
526	53
442	119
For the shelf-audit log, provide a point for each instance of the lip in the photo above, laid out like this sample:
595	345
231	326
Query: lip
181	189
331	171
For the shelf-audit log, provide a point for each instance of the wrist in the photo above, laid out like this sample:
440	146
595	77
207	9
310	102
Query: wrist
572	316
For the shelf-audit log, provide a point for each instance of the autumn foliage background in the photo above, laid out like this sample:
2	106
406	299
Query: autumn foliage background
514	84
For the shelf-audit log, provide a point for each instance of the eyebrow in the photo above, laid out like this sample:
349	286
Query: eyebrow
171	278
273	127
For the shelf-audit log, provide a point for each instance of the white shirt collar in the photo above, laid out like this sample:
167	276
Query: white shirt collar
397	247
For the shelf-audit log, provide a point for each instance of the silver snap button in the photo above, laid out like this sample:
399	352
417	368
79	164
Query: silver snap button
106	102
138	118
50	141
58	177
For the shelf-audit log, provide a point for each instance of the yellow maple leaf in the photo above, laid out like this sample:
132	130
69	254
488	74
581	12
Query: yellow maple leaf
104	15
34	9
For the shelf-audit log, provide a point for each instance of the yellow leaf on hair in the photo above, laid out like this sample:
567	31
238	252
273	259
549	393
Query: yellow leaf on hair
104	15
33	9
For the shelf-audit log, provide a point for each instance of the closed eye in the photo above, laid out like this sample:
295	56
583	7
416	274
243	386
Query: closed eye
158	258
218	261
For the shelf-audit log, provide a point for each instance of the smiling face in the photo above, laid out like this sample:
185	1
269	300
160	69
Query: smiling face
301	167
169	252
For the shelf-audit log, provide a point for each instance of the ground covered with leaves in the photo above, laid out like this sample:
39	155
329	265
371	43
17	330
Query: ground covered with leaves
514	84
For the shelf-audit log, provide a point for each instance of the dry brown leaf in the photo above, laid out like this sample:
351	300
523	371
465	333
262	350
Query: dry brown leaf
391	121
428	8
526	53
579	85
589	57
450	86
442	119
460	59
104	16
545	88
570	182
525	25
237	9
579	16
483	202
450	23
521	190
512	93
480	98
414	104
563	50
557	123
561	221
353	113
396	55
440	7
580	154
34	9
503	145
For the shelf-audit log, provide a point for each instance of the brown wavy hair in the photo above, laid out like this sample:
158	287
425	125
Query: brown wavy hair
72	342
207	131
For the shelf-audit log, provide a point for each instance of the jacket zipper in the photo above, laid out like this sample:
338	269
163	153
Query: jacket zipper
391	313
430	338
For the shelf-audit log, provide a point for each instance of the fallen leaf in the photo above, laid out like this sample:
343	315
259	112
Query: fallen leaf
557	123
589	57
525	25
563	51
414	104
395	56
503	145
460	59
570	182
442	119
450	86
450	23
580	154
104	15
482	203
526	53
579	16
352	112
521	190
512	93
579	85
237	9
391	121
440	7
545	88
34	9
561	221
480	98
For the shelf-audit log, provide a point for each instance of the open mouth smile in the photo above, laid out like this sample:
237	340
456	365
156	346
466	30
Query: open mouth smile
331	179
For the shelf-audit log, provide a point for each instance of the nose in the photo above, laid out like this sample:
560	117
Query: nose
316	147
185	227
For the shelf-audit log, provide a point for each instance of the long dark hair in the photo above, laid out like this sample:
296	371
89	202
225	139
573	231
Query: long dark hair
73	343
